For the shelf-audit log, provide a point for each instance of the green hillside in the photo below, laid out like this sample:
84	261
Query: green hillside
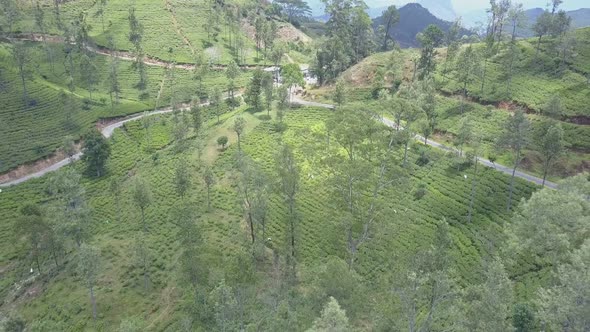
398	195
37	131
120	292
532	87
537	78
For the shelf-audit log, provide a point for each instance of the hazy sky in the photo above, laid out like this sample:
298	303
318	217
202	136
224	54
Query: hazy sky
462	7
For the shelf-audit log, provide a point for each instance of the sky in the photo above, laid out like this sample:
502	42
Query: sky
463	7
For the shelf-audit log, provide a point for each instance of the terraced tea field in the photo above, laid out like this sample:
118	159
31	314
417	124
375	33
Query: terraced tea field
34	132
406	225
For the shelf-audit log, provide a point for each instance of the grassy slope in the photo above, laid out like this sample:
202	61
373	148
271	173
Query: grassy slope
489	119
174	30
37	131
408	224
537	79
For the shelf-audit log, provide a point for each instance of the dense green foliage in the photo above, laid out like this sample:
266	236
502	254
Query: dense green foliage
266	216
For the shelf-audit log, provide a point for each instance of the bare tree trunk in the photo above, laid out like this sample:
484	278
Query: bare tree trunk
143	221
38	264
251	226
516	162
24	84
292	217
483	77
545	171
208	198
93	301
473	186
406	152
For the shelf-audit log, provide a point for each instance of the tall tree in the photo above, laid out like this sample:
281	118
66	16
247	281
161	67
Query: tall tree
515	138
282	102
115	190
69	107
288	172
89	73
390	16
41	26
113	82
142	257
474	156
33	227
269	91
411	112
340	93
292	77
96	152
361	167
516	18
349	38
231	72
550	223
247	170
238	128
260	200
488	304
542	27
89	268
71	208
142	196
333	319
551	145
294	9
216	101
254	90
564	306
22	59
11	15
453	42
136	37
467	69
431	38
464	134
190	239
209	179
428	105
423	286
100	12
182	178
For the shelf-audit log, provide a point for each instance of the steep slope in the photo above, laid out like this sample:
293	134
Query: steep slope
413	19
534	83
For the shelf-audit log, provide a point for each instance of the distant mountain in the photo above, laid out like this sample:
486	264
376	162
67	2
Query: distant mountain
414	19
442	9
580	19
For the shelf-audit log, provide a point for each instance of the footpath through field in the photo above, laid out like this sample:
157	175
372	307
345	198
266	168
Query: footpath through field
486	162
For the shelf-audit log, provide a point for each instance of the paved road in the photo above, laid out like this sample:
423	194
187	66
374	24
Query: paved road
106	132
486	162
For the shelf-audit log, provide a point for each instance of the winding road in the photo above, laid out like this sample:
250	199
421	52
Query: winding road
486	162
108	130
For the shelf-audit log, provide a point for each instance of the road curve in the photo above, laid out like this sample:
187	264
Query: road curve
106	132
486	162
109	130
